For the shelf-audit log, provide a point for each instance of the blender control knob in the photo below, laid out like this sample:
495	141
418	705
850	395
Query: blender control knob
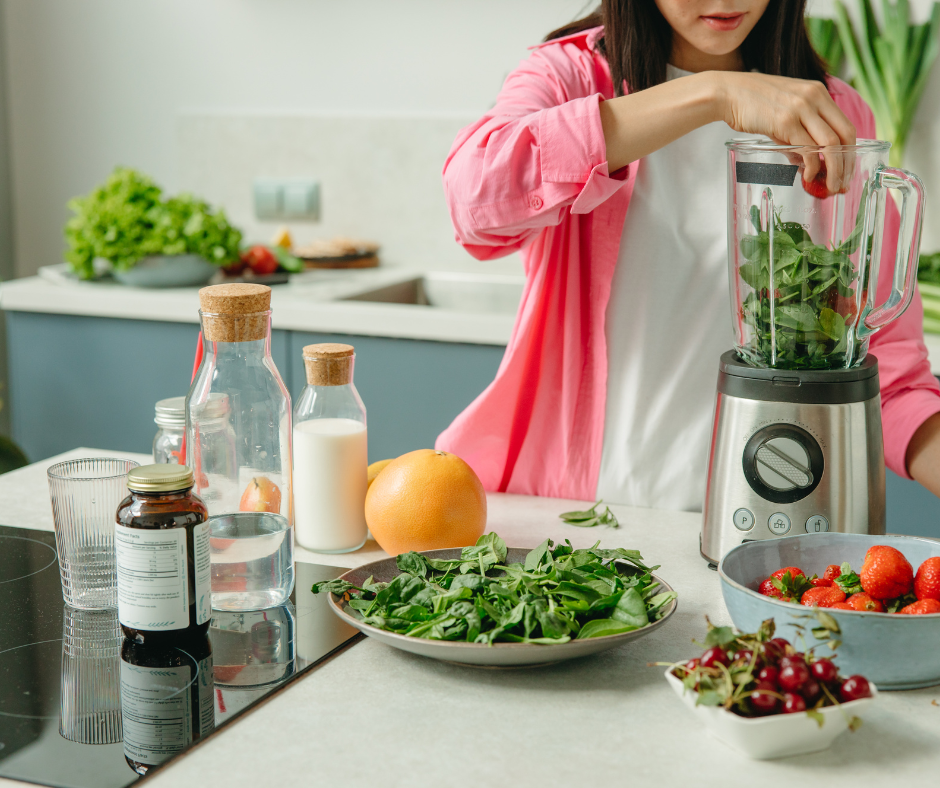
783	463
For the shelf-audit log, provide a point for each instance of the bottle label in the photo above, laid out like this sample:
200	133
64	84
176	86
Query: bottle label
156	710
202	554
153	593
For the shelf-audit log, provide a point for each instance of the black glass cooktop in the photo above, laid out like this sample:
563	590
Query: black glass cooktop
81	707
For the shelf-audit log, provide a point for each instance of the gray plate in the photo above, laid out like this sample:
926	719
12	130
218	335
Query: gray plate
499	655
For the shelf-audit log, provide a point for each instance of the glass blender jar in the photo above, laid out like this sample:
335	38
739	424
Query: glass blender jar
804	248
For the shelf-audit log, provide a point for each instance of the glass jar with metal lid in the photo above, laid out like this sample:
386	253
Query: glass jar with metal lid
170	417
162	555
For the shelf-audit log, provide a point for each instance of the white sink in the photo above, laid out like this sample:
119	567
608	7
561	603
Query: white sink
461	292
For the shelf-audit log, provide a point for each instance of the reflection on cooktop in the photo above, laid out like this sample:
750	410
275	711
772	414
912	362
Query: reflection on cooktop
80	706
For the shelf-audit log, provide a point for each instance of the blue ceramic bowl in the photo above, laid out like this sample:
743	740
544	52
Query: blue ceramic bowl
893	651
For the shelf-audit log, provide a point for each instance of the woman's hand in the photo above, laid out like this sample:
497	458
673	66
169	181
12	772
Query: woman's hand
790	111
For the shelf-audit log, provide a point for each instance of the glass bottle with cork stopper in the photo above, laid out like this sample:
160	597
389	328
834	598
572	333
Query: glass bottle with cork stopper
162	557
331	455
237	369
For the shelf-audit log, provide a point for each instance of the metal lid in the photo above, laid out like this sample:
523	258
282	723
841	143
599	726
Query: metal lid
160	478
171	412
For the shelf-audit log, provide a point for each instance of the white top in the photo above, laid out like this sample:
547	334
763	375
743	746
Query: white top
668	322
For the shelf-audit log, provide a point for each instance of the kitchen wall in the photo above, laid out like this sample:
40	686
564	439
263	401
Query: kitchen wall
96	82
379	176
206	94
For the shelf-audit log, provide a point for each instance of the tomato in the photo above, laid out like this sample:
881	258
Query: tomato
261	260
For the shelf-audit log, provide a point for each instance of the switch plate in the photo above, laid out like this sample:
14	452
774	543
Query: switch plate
296	199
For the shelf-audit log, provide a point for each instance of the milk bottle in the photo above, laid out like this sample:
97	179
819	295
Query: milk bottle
330	454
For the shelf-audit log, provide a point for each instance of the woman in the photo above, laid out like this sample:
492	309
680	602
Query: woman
603	161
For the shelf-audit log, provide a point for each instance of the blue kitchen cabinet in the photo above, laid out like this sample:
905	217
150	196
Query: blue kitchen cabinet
93	381
412	389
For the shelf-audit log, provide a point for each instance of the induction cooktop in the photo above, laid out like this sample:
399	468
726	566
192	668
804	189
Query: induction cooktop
81	707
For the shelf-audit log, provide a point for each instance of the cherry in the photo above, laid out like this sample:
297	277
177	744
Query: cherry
811	691
762	700
854	688
744	656
793	703
824	670
772	651
691	665
770	674
713	657
793	675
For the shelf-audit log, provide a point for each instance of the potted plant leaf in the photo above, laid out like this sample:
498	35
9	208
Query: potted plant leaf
824	36
148	240
890	65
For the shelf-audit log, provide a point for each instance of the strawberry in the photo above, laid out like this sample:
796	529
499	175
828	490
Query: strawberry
832	572
817	187
865	603
886	573
924	607
821	582
927	579
767	589
794	571
822	597
841	606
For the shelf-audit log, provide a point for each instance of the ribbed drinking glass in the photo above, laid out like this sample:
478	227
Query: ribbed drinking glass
90	694
85	496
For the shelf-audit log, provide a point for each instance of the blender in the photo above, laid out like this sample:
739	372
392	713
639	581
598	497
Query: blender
796	442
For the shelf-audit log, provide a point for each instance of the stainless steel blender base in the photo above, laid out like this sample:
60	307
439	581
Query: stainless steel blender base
787	468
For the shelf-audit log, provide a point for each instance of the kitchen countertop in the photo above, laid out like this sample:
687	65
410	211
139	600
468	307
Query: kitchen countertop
377	716
304	305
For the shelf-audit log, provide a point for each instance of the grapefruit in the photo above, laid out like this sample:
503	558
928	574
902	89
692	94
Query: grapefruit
426	500
376	468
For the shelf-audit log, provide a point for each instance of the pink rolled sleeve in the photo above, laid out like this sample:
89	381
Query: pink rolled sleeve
536	156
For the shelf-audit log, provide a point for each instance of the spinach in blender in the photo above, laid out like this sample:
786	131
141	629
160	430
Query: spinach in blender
814	293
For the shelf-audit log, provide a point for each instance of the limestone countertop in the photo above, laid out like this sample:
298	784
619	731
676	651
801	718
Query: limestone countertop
377	716
311	302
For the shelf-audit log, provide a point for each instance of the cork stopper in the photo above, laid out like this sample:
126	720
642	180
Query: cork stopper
329	364
235	313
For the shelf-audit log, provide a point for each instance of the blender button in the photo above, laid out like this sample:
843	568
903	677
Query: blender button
743	520
817	524
778	523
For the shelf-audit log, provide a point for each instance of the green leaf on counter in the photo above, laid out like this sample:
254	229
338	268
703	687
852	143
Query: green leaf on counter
591	517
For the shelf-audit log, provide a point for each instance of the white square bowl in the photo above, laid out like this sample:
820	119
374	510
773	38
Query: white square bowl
777	735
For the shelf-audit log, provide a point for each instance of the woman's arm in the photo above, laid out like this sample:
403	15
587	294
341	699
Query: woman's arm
791	111
923	454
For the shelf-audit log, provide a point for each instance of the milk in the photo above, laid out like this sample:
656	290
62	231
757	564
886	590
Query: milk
330	481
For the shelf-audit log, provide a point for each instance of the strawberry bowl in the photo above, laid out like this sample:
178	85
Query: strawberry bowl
777	735
893	651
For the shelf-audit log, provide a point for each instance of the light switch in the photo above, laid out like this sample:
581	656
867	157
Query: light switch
300	200
267	197
287	198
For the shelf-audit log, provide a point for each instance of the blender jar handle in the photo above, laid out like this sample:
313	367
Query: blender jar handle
905	262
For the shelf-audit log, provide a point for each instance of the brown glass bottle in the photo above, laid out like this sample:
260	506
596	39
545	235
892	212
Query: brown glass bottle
162	551
167	700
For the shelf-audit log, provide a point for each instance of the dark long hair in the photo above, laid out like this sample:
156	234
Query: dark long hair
637	42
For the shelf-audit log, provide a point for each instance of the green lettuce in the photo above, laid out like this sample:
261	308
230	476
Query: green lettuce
127	218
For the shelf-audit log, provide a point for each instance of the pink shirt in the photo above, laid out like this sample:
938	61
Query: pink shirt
532	176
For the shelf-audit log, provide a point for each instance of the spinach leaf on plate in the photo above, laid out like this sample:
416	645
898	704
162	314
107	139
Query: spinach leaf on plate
555	595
